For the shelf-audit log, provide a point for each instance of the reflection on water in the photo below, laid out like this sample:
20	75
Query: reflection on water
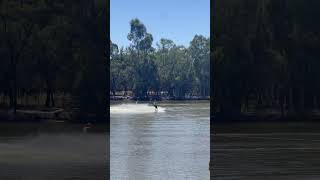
266	151
170	144
51	151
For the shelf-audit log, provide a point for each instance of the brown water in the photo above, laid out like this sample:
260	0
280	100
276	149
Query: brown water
266	151
51	151
172	143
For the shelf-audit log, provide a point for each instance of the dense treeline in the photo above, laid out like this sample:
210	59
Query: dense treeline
54	47
169	70
266	56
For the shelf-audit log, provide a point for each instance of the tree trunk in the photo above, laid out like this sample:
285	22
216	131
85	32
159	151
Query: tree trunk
52	99
14	86
49	96
10	98
290	99
247	103
302	102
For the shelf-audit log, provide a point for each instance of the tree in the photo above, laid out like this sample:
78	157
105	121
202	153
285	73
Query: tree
200	54
143	58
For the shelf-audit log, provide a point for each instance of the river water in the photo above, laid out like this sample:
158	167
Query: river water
171	143
282	150
53	150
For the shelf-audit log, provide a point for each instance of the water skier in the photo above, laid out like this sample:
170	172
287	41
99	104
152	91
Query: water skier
155	106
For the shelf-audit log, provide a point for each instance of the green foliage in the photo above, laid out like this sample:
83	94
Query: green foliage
265	52
55	47
174	71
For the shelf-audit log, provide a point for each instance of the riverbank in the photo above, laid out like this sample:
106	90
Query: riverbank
42	114
266	115
158	98
35	114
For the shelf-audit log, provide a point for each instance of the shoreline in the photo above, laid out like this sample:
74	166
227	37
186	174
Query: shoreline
47	115
158	98
264	116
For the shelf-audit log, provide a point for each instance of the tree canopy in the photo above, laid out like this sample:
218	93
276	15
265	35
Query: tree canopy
51	48
265	56
168	70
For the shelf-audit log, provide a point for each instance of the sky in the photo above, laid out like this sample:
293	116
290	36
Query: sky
178	20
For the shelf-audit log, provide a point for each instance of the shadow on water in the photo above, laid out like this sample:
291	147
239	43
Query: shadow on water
266	150
40	151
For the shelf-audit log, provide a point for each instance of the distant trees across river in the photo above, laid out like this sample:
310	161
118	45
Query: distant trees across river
168	70
266	56
54	47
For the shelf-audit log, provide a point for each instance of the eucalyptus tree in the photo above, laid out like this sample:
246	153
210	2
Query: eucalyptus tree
266	52
166	63
142	55
17	19
89	47
200	53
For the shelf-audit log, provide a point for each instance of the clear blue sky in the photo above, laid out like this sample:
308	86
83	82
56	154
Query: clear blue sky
178	20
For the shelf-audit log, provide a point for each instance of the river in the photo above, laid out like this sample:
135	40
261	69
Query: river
171	143
266	150
53	150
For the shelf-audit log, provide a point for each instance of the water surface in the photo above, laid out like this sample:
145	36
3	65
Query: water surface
49	151
171	143
282	150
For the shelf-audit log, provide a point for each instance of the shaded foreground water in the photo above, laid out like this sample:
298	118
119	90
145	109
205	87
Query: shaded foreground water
172	143
266	151
51	151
